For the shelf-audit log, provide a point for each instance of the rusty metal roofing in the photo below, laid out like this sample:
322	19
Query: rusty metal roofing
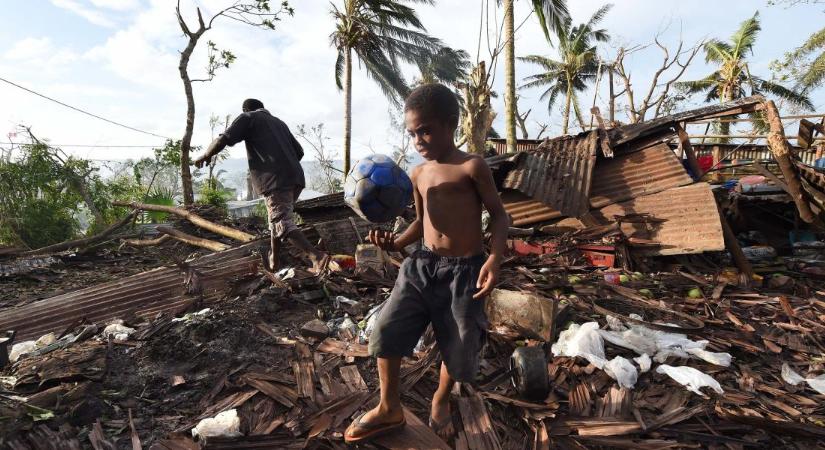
691	220
627	133
558	173
144	294
630	175
526	211
522	145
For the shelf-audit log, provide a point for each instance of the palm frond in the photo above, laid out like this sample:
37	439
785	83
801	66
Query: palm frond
717	51
779	91
745	36
339	69
815	42
552	15
815	73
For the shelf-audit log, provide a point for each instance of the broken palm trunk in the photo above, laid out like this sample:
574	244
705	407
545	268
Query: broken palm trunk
782	153
479	115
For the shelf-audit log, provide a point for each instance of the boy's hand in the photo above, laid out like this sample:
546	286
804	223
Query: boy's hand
487	277
384	239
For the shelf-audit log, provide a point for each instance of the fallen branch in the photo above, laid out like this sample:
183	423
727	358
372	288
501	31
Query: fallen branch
193	240
147	242
85	242
194	218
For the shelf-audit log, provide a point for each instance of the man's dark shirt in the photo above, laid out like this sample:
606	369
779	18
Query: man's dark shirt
273	152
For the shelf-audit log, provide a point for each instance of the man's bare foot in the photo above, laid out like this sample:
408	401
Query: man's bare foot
374	423
441	420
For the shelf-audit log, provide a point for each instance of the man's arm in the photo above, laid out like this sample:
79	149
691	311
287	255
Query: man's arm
388	241
214	148
236	132
499	225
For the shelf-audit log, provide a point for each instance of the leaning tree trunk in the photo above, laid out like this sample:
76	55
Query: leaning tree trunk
478	117
509	77
347	109
567	99
186	142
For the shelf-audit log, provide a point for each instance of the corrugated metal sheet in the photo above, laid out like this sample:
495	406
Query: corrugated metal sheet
526	211
558	173
692	223
144	294
630	175
627	133
522	145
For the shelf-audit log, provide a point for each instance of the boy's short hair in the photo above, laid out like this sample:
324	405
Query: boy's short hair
252	104
434	100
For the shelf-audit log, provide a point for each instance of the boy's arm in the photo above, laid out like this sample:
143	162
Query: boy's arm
499	225
388	241
214	148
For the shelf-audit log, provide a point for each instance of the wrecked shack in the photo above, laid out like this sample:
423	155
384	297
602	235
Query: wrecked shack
666	312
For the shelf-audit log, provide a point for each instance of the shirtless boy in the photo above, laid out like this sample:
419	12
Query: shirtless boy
446	283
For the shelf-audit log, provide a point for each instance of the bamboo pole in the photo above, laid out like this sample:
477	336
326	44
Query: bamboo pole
782	153
193	240
192	217
147	242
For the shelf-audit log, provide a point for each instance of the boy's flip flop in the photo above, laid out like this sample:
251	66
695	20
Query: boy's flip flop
359	432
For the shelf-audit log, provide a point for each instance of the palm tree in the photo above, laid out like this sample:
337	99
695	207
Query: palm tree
551	14
447	66
576	67
806	64
733	79
382	34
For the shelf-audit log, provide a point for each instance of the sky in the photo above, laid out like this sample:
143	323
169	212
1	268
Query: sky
118	59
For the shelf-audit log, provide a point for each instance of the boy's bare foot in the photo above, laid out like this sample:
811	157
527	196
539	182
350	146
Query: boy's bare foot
375	422
441	420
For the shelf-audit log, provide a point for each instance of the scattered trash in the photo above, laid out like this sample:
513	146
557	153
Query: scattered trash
225	424
189	316
691	378
644	362
21	348
759	253
623	371
581	340
117	332
793	378
529	313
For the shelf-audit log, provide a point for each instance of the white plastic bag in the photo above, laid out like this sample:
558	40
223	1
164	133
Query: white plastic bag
581	340
225	424
623	371
691	378
793	378
117	332
21	348
46	339
644	362
719	359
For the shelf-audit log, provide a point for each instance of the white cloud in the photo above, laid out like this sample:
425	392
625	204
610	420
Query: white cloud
93	16
29	48
117	5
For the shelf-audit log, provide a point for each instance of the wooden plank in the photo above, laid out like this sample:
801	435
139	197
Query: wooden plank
281	394
684	144
478	427
304	371
342	348
415	436
352	378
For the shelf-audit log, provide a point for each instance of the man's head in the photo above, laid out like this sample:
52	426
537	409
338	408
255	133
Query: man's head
251	104
431	117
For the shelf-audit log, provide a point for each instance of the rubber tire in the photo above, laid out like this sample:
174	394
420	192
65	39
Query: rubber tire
530	376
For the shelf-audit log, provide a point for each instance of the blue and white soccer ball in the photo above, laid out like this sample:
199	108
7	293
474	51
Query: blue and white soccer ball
377	189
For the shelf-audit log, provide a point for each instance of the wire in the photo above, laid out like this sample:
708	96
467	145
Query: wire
104	146
80	110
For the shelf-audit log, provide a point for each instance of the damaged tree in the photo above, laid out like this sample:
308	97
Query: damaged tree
256	13
192	217
782	153
478	114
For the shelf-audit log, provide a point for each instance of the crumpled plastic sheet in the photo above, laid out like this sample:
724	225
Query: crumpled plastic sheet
225	424
644	362
581	340
662	344
691	378
623	371
21	348
117	332
793	378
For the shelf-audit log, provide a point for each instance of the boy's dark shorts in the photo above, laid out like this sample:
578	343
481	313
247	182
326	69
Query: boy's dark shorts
438	290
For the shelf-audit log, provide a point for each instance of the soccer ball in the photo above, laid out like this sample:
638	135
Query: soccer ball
377	189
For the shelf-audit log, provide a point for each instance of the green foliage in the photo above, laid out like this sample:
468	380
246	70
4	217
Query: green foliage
158	196
44	224
214	196
805	66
